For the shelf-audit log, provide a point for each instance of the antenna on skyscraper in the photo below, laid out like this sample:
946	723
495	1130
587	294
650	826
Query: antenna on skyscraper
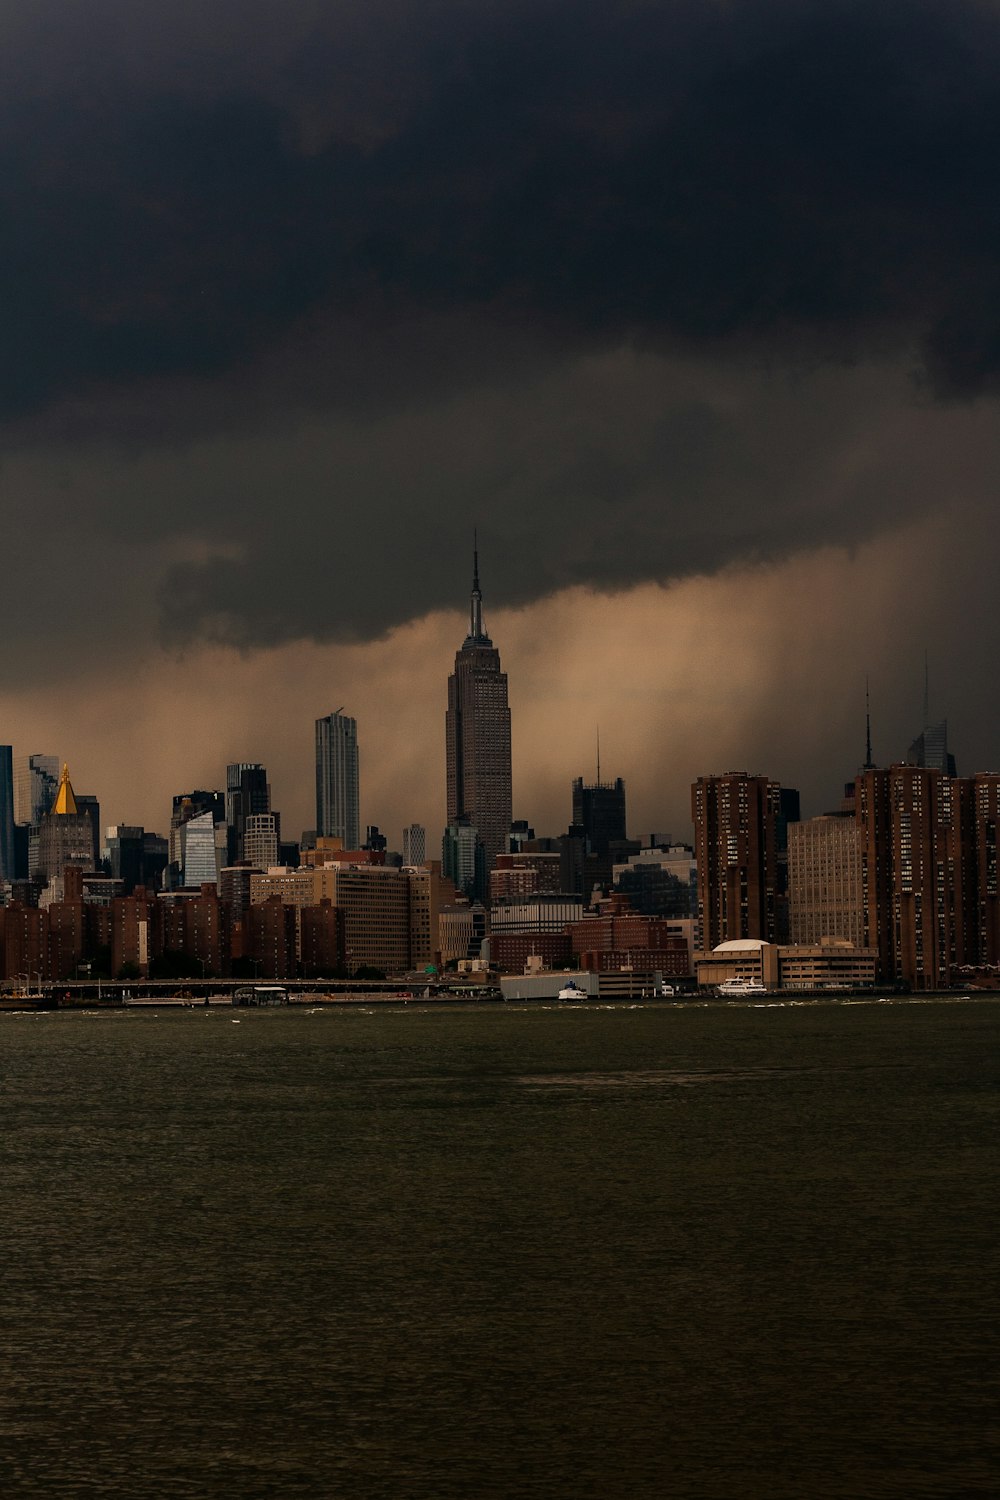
869	764
598	755
476	608
927	690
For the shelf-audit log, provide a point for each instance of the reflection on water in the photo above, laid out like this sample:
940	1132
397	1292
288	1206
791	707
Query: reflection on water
511	1251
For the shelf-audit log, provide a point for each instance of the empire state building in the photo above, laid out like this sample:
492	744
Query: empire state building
477	728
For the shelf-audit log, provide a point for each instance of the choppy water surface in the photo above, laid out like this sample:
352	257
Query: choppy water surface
501	1251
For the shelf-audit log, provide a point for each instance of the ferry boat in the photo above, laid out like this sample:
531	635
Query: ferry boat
572	991
260	994
737	989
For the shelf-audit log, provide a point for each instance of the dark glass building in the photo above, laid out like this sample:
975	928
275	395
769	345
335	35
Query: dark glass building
599	810
247	793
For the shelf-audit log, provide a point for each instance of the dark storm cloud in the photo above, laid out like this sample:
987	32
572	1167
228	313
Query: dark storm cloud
818	172
400	241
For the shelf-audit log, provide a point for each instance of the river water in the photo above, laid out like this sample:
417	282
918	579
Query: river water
507	1251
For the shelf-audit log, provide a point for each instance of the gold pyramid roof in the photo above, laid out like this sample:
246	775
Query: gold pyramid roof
65	803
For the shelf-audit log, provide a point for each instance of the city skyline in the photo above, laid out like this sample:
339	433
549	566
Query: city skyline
708	410
657	802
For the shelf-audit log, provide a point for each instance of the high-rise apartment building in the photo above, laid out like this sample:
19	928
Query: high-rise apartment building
735	823
986	816
477	731
824	880
337	779
917	832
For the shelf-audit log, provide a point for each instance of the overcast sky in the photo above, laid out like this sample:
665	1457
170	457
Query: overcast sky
693	309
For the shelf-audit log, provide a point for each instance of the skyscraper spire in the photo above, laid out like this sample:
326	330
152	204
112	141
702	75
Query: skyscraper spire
476	631
927	690
65	803
869	764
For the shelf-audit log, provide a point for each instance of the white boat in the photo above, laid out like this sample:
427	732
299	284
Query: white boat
572	991
731	989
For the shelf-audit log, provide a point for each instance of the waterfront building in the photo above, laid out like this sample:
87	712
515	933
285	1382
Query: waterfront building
67	929
917	830
986	814
135	934
321	940
24	933
270	938
337	804
824	880
294	888
614	937
736	846
388	913
477	734
831	965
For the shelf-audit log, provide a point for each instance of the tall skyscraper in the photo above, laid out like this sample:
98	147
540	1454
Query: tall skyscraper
65	834
36	782
930	748
917	831
247	794
201	855
186	808
7	871
337	779
477	731
735	825
599	810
